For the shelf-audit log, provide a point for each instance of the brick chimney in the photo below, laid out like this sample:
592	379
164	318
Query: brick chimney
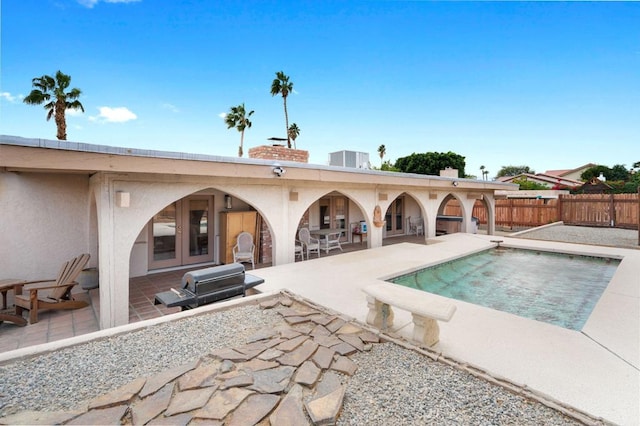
279	152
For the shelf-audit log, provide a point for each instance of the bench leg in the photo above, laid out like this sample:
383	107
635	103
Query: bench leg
425	330
380	314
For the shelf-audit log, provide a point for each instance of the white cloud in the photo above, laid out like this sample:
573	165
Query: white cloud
222	115
170	107
74	112
113	115
90	3
9	97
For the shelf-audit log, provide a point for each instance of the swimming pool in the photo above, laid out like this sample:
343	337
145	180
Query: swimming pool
559	289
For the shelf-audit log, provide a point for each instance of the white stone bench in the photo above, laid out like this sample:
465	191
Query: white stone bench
427	309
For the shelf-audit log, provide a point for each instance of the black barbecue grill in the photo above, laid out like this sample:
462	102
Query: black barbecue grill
209	285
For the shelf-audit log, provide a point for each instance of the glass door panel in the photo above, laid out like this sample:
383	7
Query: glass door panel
325	213
198	230
340	215
170	246
394	217
399	216
199	240
165	234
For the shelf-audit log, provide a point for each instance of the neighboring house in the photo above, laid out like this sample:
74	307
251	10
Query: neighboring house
573	174
545	179
139	211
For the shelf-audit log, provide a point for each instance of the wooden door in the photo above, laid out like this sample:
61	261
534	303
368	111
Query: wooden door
231	225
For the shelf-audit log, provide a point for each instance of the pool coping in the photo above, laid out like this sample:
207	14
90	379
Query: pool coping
595	370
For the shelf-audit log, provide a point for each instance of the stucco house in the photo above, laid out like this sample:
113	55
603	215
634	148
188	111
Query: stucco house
138	211
573	174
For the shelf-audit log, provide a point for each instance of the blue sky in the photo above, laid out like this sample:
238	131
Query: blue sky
550	85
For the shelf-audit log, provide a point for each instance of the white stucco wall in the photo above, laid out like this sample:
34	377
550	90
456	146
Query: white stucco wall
44	221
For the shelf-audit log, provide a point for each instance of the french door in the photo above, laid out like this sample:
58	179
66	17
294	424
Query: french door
182	233
395	217
334	213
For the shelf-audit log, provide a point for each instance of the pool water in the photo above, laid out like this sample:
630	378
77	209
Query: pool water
559	289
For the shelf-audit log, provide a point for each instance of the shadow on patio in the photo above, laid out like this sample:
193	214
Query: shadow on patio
57	325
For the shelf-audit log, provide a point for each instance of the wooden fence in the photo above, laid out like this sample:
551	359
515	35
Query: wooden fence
601	210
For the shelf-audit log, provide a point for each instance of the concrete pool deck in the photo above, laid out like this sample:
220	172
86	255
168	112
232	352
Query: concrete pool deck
596	370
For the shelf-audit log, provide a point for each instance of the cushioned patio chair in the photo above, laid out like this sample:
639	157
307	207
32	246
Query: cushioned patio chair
244	249
44	295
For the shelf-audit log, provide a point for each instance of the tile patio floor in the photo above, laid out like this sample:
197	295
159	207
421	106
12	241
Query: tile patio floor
58	325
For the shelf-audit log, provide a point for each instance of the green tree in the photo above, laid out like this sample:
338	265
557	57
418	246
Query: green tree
618	172
293	132
388	167
50	91
238	117
282	86
594	172
485	173
514	171
382	150
431	163
526	184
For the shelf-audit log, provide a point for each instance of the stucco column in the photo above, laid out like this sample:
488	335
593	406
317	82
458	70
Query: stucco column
467	202
114	259
490	205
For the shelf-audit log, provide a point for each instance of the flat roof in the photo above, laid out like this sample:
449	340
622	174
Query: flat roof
113	152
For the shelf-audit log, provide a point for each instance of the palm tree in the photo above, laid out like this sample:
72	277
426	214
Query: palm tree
482	171
51	92
382	150
293	133
237	117
282	86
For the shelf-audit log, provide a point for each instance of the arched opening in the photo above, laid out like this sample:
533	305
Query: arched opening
481	215
199	230
450	218
336	221
404	217
194	232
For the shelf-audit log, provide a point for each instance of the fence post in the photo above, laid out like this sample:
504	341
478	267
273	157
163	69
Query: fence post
612	212
559	207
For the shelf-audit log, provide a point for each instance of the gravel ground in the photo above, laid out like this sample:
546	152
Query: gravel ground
404	387
62	379
615	237
392	386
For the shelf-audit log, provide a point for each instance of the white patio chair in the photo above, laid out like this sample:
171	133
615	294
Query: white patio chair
332	241
415	226
310	244
299	250
244	249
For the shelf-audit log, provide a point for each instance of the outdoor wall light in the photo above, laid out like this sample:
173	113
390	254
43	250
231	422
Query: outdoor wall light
454	183
279	171
228	202
123	199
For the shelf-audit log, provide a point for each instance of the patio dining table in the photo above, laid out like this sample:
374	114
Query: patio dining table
323	235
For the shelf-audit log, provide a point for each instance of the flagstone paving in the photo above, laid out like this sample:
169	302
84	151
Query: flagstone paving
294	374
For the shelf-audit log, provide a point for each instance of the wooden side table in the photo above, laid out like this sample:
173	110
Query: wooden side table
5	286
359	234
